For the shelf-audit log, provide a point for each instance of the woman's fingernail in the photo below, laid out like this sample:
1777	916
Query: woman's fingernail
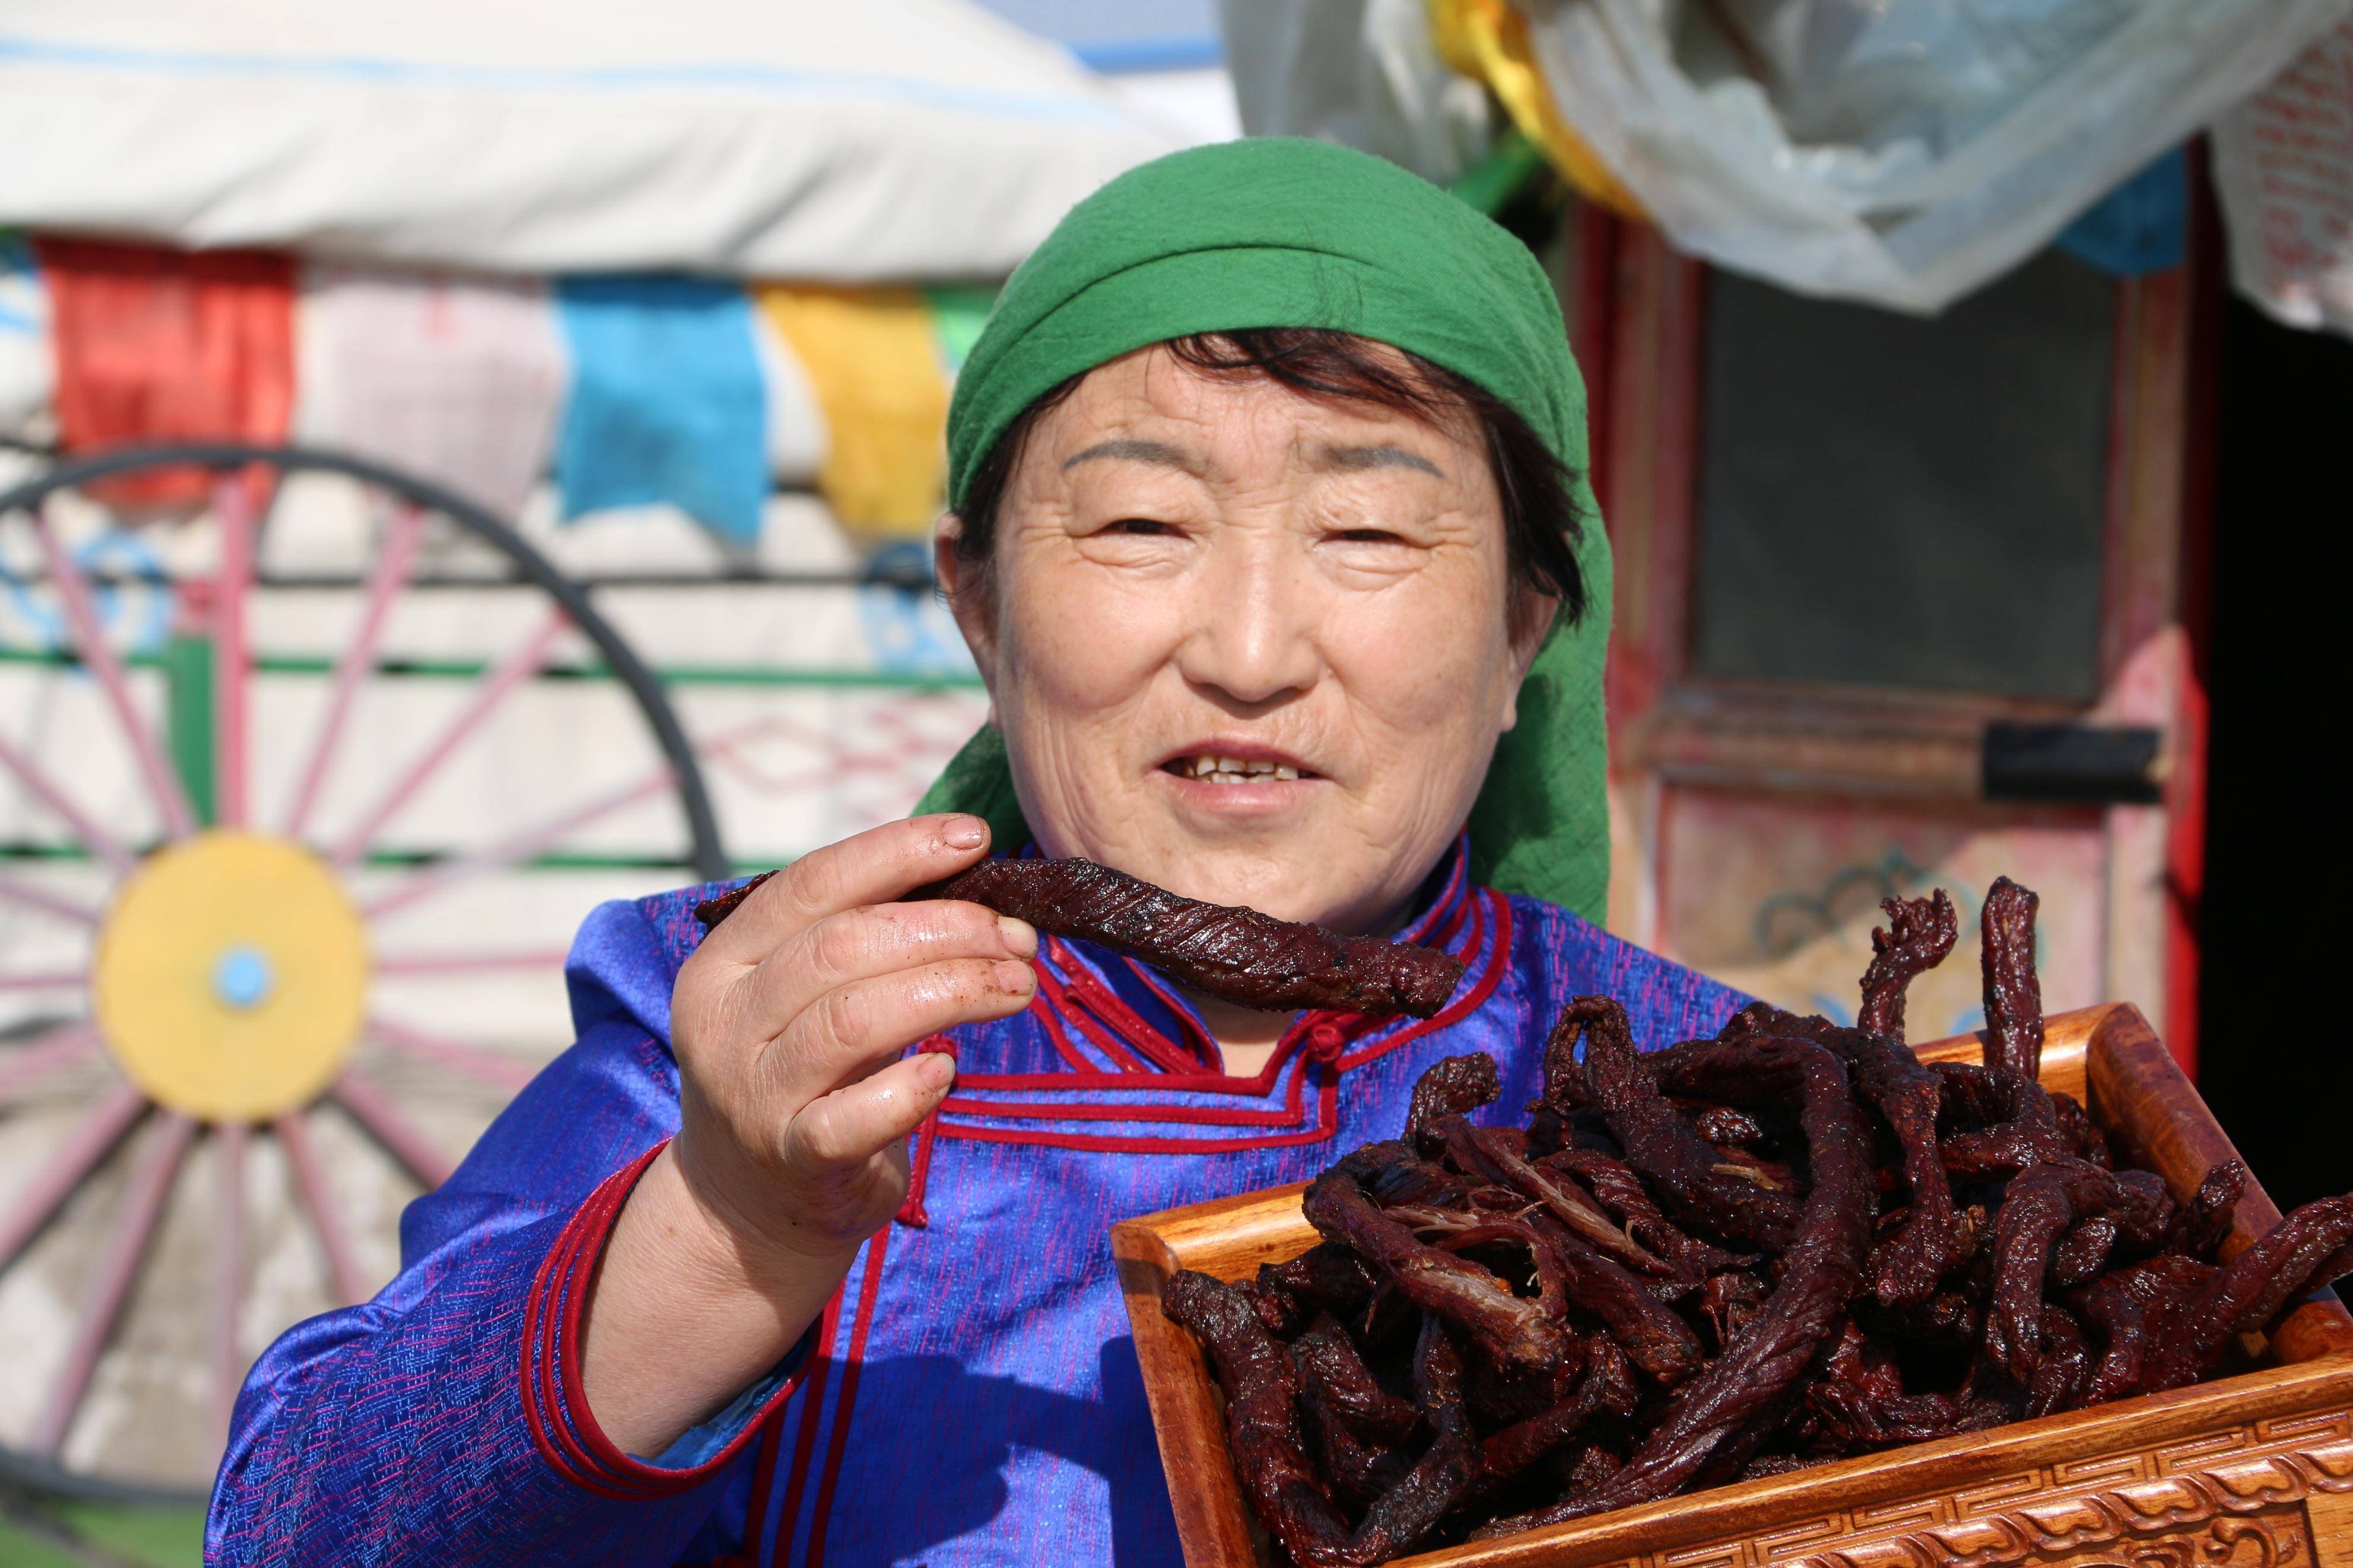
938	1070
1018	979
966	833
1020	936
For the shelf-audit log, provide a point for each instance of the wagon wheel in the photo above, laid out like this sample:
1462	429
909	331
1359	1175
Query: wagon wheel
213	771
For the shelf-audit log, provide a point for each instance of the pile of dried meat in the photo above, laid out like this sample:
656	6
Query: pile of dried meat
1792	1242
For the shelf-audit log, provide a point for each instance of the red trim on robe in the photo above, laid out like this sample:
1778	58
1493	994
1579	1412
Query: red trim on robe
869	1288
555	1405
1323	1035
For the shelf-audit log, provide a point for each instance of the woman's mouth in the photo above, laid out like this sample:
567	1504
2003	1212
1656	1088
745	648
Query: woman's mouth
1213	768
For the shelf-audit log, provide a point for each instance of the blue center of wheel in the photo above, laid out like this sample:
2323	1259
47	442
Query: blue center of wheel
243	978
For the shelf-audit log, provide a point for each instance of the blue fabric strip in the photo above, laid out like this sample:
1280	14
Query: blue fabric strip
667	403
776	80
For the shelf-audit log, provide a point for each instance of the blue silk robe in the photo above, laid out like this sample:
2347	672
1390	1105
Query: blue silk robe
971	1396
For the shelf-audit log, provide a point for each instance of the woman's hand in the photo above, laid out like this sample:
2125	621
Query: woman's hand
790	1021
790	1024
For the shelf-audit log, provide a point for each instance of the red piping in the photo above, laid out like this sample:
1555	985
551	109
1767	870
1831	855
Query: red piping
812	1407
1328	1101
868	1289
1491	916
764	1477
919	1163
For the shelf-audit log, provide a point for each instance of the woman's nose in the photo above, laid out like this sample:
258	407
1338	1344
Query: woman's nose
1253	628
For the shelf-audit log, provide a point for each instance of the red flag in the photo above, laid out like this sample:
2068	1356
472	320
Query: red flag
169	345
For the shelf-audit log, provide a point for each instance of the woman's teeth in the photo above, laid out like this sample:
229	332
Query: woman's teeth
1231	770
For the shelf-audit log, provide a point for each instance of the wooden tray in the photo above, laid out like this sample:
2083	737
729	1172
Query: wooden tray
2255	1469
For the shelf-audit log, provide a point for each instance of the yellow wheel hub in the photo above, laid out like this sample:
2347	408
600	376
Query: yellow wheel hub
230	976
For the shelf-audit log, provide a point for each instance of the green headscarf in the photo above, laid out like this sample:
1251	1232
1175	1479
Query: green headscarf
1275	232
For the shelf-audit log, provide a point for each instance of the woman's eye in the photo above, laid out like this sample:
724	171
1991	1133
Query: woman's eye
1142	526
1367	536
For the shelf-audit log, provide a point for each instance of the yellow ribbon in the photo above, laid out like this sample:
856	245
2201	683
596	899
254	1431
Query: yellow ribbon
1487	40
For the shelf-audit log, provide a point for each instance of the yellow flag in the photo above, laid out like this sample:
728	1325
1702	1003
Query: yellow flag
871	360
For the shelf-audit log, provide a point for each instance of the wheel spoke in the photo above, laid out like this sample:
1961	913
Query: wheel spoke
432	963
118	1270
233	511
33	898
385	581
516	667
402	1139
519	848
310	1181
52	1051
98	658
44	980
228	1273
83	1147
487	1066
94	838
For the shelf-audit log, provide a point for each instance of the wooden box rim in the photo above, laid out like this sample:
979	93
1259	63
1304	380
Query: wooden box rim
2107	1056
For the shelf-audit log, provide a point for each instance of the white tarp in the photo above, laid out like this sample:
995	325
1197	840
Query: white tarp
1364	73
887	139
2284	161
1902	153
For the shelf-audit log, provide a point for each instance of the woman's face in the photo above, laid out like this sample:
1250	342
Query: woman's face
1252	646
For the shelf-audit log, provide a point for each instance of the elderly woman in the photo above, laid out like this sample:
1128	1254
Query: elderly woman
1272	539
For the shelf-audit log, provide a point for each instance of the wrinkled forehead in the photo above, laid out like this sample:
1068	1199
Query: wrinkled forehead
1151	408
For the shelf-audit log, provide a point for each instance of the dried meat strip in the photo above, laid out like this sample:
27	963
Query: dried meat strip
1733	1402
1513	1448
2013	995
1653	1338
1451	1085
2040	1206
2082	1255
1685	1170
1919	932
2083	1135
713	909
1727	1124
1237	956
2065	1368
1292	1500
2125	1308
2200	1225
1619	1191
1327	1360
2017	1120
1401	1516
1498	1153
1359	1468
1908	1097
2305	1250
1261	1386
1512	1330
1324	1278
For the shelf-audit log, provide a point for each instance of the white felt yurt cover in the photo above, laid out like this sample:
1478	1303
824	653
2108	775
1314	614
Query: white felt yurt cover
878	139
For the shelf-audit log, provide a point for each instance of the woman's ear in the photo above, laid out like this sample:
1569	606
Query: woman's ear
966	592
1531	622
